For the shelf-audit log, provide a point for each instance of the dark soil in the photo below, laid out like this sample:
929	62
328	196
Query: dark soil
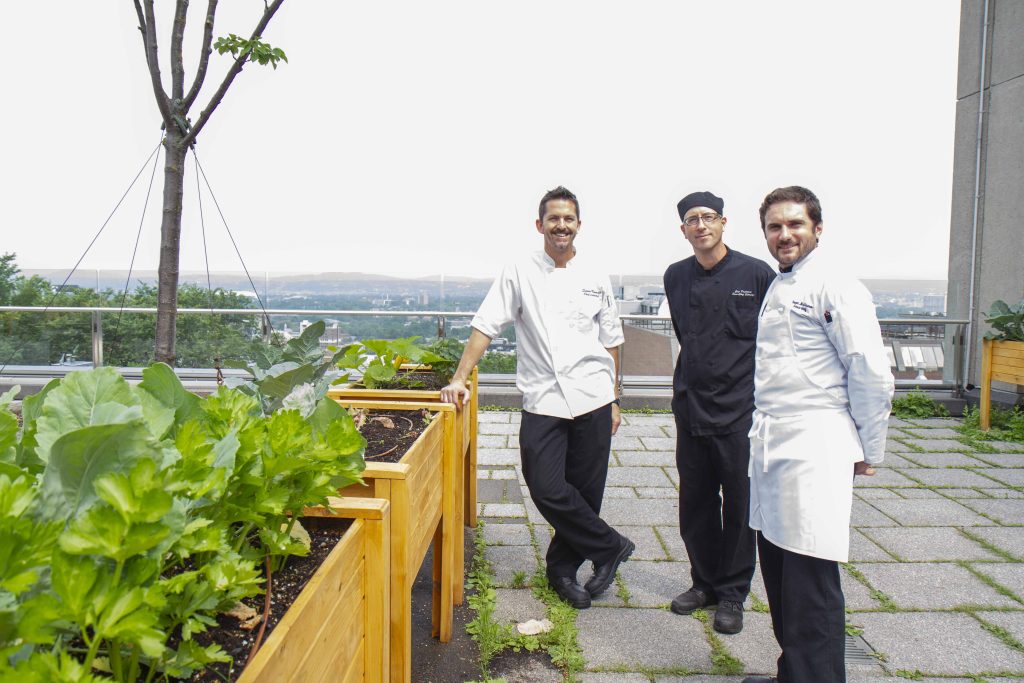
386	443
285	588
424	381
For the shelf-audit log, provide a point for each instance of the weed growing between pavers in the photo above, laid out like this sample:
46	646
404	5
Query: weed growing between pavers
1000	633
887	603
853	630
661	541
519	578
560	643
723	662
1007	425
622	590
988	545
990	582
758	605
914	675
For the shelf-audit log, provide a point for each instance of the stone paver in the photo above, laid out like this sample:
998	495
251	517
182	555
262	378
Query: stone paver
1008	575
1003	511
485	416
907	542
942	460
601	639
654	584
864	549
1005	446
1010	476
506	534
506	560
637	476
497	456
939	512
936	433
1008	539
937	643
652	511
865	514
949	477
516	605
755	645
929	544
932	586
938	422
941	445
647	458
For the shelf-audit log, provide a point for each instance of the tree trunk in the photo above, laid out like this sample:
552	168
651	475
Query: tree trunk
170	237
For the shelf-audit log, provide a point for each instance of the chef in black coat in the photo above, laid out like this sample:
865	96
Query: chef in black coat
714	297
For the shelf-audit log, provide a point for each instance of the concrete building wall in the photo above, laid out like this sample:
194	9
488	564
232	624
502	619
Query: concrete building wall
999	246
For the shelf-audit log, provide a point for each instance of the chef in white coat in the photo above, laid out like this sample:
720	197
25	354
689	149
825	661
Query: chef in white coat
822	396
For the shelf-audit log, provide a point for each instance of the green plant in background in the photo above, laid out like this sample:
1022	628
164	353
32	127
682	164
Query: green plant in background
917	404
295	375
130	516
1006	424
382	371
1007	322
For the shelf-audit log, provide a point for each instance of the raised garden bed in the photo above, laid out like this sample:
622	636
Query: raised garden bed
337	628
1001	361
424	489
465	427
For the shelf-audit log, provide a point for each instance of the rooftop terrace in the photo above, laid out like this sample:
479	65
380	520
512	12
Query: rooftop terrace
934	586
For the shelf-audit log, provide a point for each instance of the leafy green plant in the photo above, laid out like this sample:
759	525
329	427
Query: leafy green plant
1006	424
295	375
917	404
388	357
130	516
1007	322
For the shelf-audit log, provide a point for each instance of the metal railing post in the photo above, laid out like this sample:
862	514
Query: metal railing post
441	326
97	339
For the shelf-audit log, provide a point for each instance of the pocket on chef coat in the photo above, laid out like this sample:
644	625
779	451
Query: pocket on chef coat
741	317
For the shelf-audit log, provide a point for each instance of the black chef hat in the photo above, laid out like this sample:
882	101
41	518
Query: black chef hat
700	199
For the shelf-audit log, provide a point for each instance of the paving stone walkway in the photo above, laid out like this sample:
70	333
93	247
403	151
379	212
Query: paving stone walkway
934	586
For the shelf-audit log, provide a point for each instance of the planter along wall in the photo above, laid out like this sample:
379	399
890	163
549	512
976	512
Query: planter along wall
1001	361
424	489
337	629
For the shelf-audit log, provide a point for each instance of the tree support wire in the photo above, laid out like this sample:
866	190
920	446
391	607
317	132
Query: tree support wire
266	317
92	242
135	250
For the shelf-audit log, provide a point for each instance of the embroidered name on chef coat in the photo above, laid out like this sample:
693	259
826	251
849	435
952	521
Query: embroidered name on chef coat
742	292
593	292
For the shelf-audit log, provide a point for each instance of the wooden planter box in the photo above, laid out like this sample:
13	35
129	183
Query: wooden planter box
424	489
465	427
337	629
1001	361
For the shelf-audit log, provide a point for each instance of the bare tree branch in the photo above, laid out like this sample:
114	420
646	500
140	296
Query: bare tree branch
148	28
236	68
204	56
177	38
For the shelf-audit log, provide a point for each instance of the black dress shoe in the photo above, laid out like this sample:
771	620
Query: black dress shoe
760	679
604	574
729	617
693	599
570	591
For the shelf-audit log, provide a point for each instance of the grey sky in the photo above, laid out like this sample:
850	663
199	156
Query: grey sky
415	138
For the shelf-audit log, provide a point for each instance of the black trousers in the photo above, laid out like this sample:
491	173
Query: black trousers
714	511
565	464
808	614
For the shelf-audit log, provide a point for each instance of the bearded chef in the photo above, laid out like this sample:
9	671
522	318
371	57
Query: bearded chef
822	396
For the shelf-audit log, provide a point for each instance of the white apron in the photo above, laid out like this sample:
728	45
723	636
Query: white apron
803	444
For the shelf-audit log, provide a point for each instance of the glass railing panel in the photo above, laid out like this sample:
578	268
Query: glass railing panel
45	339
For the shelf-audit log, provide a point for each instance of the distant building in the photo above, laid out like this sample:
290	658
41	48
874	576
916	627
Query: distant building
934	303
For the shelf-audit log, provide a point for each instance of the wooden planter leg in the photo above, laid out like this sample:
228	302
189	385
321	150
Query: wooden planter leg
436	575
985	416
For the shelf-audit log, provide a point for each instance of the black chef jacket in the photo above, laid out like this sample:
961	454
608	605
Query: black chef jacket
714	313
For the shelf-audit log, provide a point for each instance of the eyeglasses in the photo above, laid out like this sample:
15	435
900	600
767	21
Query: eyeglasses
708	219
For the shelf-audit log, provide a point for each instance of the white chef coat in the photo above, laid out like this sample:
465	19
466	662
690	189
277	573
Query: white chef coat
822	395
565	319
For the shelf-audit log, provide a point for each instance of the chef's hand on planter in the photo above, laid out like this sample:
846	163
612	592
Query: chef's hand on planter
863	468
456	393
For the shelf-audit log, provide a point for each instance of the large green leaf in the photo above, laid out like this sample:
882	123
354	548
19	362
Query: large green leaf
160	381
99	396
31	409
79	457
